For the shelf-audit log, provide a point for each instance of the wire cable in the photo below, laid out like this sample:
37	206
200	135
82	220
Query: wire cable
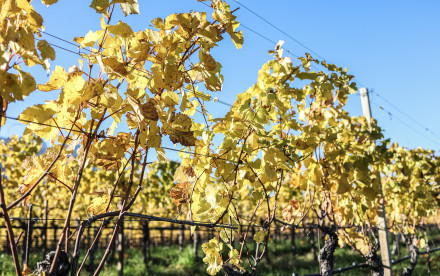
406	115
62	48
405	123
278	29
56	37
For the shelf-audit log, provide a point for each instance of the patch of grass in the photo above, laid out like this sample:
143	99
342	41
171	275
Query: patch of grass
281	261
6	265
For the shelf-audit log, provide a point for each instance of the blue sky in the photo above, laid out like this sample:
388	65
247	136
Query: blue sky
390	46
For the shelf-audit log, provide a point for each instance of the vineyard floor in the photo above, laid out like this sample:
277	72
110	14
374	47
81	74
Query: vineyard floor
168	260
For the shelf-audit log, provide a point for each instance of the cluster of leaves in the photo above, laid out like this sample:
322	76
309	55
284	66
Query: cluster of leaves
51	199
411	187
13	152
19	24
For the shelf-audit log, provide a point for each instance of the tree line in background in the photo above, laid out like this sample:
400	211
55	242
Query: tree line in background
288	153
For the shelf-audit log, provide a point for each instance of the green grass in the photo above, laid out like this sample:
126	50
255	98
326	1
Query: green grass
170	261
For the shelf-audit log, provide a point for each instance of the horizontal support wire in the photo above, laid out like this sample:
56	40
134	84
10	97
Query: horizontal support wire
391	115
142	217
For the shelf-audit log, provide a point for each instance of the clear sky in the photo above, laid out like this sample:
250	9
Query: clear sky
390	46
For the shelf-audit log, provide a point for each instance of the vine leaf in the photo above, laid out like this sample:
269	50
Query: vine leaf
170	98
98	204
343	185
143	111
292	210
49	2
47	52
184	174
179	194
121	29
111	65
260	235
100	6
213	258
56	81
180	131
131	7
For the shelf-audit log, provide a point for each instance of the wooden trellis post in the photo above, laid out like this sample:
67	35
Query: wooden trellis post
381	217
170	240
181	236
55	228
146	243
292	241
120	249
28	240
45	223
196	245
161	236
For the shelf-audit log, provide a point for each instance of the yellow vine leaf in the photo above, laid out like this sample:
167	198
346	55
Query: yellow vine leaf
172	77
184	174
100	6
234	257
156	82
47	52
260	236
72	94
207	61
29	179
27	84
422	243
56	81
3	107
142	111
98	204
90	38
49	2
362	246
180	131
36	166
343	185
161	156
292	210
154	138
149	111
111	65
131	7
170	98
35	20
37	113
121	29
237	38
213	80
213	258
370	193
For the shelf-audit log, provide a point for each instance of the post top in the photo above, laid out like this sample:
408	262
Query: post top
363	90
